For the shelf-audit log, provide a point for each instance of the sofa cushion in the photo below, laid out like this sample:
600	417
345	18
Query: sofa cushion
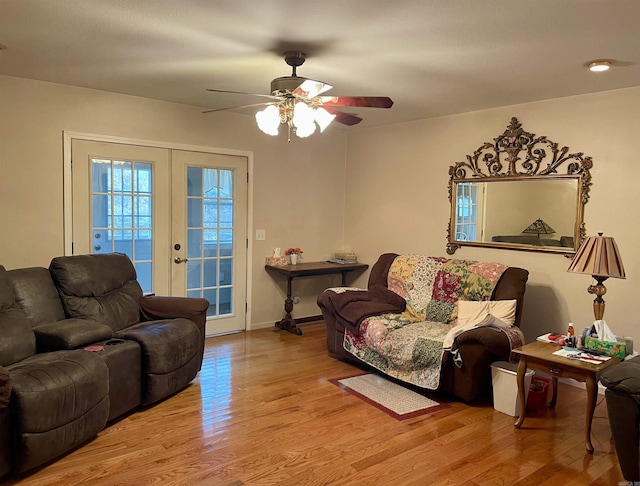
503	312
59	400
432	286
69	382
166	345
171	355
70	334
36	294
99	287
18	340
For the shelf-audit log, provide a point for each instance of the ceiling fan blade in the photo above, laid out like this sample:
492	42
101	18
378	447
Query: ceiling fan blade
310	88
238	107
243	93
344	118
363	101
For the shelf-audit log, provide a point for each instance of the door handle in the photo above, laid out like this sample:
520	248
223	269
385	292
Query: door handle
180	260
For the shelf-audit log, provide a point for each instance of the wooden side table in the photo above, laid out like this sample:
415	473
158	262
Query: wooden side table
308	269
539	356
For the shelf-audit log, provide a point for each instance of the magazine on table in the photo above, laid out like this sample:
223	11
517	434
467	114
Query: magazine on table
581	355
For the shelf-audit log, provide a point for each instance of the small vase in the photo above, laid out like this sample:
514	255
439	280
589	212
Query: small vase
294	258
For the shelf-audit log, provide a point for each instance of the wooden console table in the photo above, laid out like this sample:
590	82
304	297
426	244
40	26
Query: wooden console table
308	269
538	355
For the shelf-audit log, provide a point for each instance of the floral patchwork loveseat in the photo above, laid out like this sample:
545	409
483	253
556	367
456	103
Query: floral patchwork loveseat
407	323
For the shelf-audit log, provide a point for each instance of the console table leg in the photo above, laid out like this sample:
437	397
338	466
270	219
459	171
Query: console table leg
287	323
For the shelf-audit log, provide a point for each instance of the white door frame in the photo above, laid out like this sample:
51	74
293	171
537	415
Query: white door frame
68	136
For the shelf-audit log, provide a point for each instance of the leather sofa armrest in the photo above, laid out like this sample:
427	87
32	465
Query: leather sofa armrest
624	377
492	340
70	334
5	387
153	307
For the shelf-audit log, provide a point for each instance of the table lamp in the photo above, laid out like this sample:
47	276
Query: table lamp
539	227
599	257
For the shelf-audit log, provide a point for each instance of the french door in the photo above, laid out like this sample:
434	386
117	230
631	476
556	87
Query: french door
179	215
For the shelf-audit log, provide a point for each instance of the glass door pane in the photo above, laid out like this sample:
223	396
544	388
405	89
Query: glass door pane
121	204
210	254
210	235
122	213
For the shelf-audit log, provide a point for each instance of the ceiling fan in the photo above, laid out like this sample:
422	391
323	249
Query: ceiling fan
296	101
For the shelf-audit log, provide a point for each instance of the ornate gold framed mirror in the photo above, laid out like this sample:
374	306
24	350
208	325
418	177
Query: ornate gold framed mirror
519	192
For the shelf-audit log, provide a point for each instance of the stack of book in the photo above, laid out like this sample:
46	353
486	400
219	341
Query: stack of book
344	257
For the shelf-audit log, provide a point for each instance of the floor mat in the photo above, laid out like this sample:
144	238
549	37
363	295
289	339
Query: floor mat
395	400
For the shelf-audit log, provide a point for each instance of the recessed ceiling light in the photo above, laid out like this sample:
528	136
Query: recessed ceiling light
599	65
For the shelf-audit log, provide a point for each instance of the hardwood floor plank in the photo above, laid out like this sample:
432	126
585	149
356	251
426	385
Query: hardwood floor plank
263	412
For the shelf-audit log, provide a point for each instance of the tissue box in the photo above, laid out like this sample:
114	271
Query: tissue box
276	261
609	348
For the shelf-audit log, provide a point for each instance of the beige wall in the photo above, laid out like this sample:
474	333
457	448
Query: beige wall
298	187
396	199
396	187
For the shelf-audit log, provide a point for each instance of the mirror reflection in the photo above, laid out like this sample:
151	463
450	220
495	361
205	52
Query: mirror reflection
541	212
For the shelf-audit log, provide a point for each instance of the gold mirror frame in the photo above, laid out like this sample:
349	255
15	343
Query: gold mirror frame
519	156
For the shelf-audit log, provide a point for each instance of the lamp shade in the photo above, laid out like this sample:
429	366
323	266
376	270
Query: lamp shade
598	256
539	227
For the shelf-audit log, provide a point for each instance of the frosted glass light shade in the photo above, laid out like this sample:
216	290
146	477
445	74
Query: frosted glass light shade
302	115
305	130
323	118
303	120
268	120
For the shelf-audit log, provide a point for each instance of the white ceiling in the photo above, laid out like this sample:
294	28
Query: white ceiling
432	57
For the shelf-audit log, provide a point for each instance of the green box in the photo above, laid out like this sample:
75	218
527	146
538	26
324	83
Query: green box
608	348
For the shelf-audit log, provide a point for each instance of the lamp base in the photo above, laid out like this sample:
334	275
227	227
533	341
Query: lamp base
598	290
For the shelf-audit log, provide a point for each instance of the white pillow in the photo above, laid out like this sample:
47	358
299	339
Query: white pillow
475	312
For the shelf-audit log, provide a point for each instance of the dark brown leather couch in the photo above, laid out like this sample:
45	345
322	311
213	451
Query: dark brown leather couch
623	406
55	394
478	348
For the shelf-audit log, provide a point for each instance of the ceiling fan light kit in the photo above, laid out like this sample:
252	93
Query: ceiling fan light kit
296	102
298	116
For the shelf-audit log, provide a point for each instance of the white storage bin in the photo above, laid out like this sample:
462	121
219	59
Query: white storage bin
505	387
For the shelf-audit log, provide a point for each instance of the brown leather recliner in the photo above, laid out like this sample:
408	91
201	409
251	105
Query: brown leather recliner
72	384
103	290
623	406
79	347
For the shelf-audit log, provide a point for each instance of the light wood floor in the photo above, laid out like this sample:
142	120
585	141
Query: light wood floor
262	412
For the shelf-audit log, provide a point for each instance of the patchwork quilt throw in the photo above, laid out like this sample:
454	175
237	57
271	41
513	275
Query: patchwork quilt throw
409	345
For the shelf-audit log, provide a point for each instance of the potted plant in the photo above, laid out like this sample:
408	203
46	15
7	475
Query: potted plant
293	254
